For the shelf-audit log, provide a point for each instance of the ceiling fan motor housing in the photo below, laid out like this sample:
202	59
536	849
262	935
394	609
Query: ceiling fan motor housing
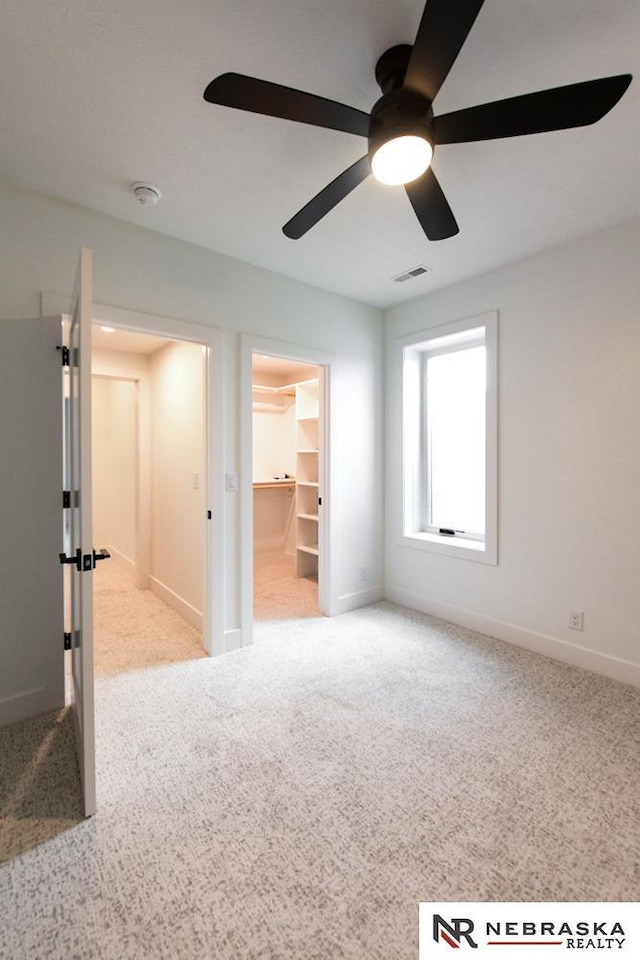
392	66
391	118
397	113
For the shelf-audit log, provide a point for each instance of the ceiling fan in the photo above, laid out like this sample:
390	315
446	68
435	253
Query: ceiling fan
402	130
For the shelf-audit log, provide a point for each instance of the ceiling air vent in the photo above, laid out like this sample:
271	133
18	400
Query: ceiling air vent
410	274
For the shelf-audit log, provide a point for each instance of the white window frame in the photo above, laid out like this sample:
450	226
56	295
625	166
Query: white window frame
413	353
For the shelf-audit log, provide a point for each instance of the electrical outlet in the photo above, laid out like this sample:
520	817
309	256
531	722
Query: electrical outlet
576	619
363	574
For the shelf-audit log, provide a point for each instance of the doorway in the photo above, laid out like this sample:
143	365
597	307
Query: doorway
291	387
286	466
149	497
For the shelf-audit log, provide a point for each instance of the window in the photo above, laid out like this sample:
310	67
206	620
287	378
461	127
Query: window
450	430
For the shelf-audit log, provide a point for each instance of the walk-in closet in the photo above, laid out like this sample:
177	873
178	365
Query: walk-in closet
287	452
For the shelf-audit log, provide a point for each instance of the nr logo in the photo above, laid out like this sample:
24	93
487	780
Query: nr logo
458	929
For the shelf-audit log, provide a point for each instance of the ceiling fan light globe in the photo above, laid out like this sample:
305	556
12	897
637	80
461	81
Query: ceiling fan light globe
401	159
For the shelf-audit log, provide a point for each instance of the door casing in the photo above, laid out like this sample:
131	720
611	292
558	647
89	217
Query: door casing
327	592
211	338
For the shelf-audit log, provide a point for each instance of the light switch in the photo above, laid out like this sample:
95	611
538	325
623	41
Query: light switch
196	480
231	482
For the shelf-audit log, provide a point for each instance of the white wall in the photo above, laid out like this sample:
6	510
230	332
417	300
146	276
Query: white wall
113	415
274	426
138	269
100	460
178	510
569	456
273	520
274	454
133	367
123	467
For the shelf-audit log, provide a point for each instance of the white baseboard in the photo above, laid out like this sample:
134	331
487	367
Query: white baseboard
361	598
577	656
232	640
121	559
30	703
190	614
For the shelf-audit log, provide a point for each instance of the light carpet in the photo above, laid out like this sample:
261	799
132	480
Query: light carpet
278	594
297	799
134	629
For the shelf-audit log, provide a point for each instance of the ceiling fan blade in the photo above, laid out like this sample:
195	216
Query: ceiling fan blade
576	105
327	199
431	207
274	100
443	30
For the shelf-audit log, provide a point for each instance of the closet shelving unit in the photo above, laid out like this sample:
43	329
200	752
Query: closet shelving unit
307	411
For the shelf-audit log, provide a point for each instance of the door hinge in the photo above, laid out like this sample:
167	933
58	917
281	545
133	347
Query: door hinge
208	514
66	356
66	498
68	645
319	501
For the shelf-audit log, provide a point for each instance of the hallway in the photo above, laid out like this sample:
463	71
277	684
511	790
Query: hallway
134	629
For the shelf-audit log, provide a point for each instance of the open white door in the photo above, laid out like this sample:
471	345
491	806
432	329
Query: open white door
31	611
79	556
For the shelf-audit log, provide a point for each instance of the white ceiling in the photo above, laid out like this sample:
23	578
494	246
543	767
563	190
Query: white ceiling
266	370
125	341
95	95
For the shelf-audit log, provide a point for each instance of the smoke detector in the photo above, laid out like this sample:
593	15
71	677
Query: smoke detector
145	193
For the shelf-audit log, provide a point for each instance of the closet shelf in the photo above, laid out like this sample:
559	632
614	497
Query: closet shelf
312	550
307	439
272	484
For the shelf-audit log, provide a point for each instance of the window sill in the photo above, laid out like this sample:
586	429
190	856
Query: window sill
445	546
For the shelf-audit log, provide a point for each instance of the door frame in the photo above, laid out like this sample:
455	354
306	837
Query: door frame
212	338
327	588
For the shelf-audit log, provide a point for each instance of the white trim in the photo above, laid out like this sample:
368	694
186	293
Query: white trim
327	593
213	637
121	559
232	640
176	602
361	598
409	352
613	667
458	547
